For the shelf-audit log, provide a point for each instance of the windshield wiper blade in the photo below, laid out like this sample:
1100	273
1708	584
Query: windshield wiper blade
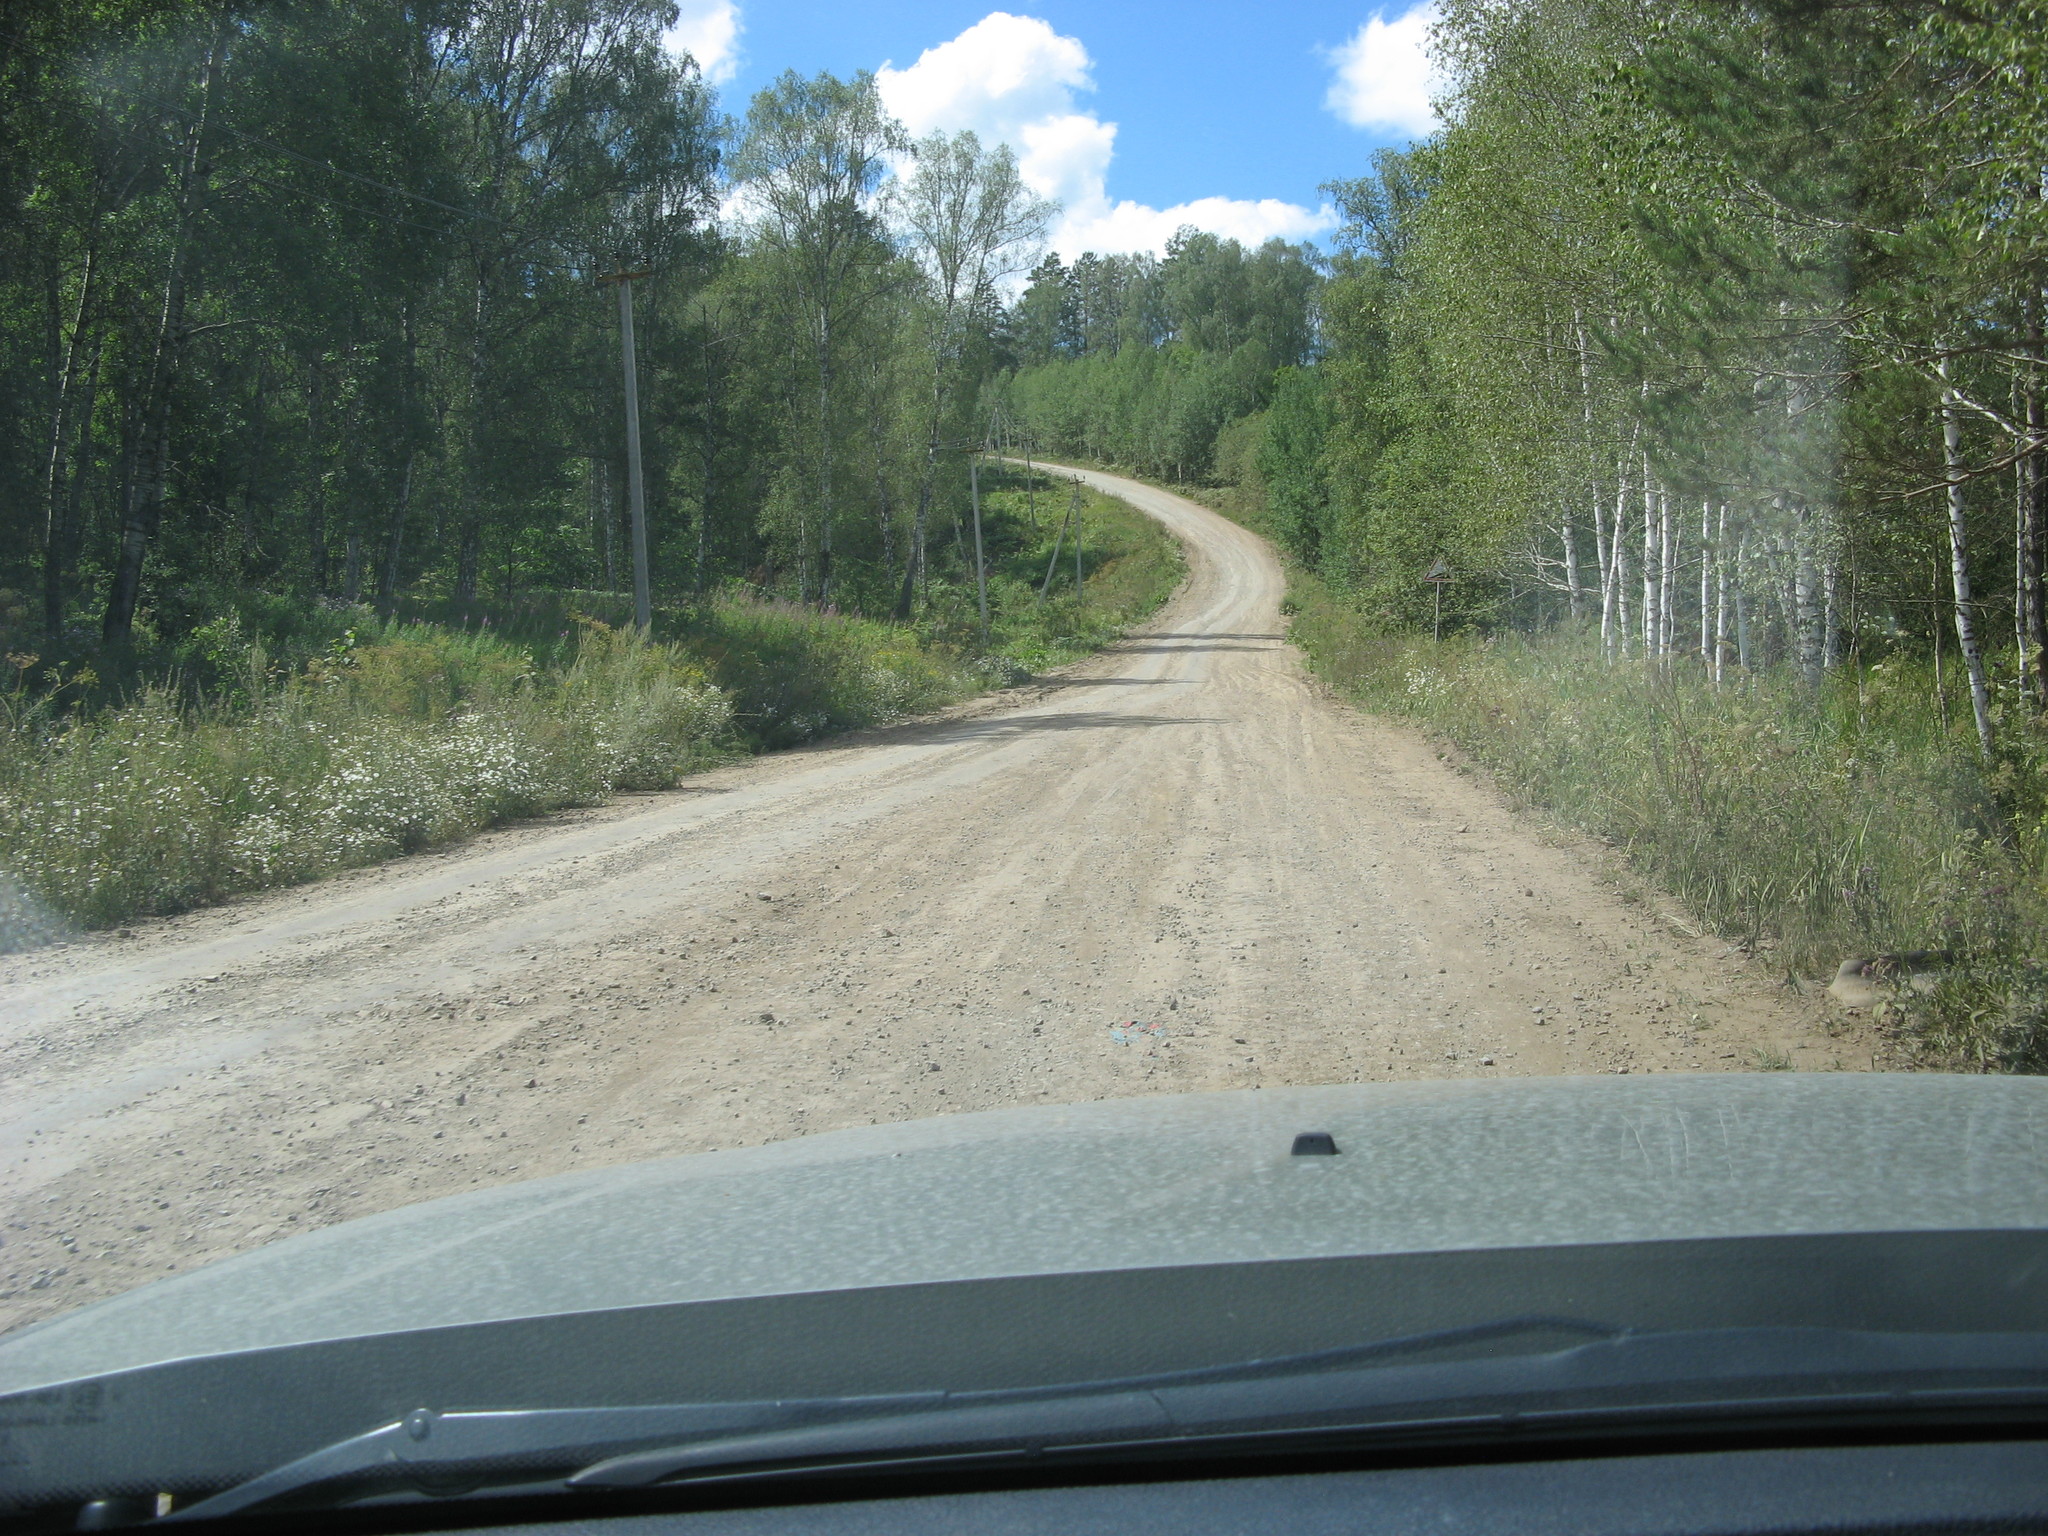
1386	1390
1624	1383
436	1452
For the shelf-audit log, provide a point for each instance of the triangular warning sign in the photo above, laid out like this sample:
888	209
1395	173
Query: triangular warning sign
1441	571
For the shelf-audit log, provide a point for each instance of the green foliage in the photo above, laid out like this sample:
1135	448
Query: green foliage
1288	464
1129	566
794	674
1852	824
1134	361
158	804
299	301
297	744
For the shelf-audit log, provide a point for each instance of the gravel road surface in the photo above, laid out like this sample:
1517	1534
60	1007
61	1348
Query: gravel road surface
1176	866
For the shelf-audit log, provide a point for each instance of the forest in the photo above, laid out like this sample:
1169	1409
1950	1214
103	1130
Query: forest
309	298
1669	437
312	300
1665	432
314	474
1718	329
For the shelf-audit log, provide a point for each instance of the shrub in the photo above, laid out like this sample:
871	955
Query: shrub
1854	823
157	805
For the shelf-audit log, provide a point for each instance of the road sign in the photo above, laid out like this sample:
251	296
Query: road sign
1439	574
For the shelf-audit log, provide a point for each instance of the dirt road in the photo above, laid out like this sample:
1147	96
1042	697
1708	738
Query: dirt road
1175	867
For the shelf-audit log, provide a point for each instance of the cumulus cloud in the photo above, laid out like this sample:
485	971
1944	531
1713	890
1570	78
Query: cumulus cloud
1015	80
1384	76
999	75
709	32
1128	226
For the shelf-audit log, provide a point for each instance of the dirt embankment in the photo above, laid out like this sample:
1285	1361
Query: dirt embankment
1175	867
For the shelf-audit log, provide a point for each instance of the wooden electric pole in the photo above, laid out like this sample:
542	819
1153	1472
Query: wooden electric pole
980	564
1077	540
643	603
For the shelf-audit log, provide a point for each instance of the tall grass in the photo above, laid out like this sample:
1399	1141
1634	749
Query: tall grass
1850	824
160	804
794	674
274	744
1129	566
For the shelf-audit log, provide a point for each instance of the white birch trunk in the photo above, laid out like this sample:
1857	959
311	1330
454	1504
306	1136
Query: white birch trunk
1667	570
1742	605
1624	623
1830	648
1706	574
1568	536
1959	563
1649	571
1805	602
1600	554
1721	597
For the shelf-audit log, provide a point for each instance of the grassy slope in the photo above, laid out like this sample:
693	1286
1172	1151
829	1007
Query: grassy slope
278	744
1855	823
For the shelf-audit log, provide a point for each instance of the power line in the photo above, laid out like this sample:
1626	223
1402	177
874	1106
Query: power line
167	105
355	208
328	200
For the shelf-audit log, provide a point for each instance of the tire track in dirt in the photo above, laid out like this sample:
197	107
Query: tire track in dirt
1173	867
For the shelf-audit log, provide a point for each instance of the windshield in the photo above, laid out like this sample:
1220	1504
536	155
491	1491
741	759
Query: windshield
947	609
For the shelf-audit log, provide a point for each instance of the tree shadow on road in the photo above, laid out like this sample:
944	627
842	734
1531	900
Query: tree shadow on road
1078	720
1205	635
1131	647
1105	682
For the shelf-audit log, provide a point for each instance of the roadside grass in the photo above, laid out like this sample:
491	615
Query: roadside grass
160	804
1820	828
1129	566
277	743
1856	823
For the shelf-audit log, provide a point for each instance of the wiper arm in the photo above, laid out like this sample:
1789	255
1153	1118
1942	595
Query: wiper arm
1623	1383
1371	1391
463	1451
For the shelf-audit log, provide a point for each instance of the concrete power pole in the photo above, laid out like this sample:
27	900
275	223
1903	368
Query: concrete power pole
643	604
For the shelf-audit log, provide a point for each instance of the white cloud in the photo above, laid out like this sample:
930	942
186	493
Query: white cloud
1127	226
1014	79
709	32
1384	75
1000	74
1066	157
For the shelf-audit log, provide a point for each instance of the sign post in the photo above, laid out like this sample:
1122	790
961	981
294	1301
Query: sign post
1436	576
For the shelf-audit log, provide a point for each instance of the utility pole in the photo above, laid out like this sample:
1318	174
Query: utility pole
1077	540
643	607
980	564
1030	486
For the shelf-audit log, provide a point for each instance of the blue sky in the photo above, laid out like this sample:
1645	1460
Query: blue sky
1138	116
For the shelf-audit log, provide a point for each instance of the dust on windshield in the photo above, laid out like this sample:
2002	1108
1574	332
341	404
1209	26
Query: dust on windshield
574	593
